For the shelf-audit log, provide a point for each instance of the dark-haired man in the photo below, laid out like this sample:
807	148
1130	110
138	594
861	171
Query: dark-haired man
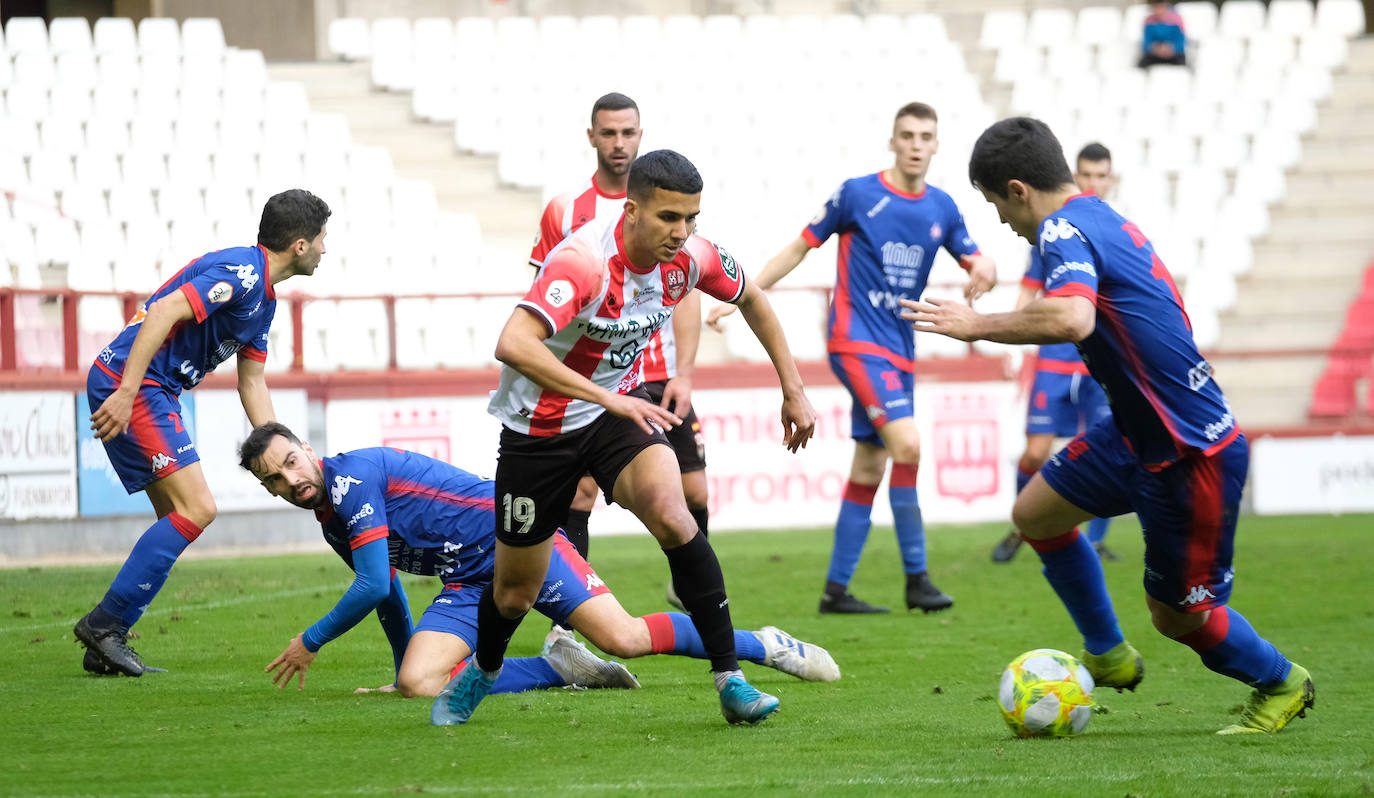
670	356
1172	452
570	402
1064	399
219	304
890	225
384	510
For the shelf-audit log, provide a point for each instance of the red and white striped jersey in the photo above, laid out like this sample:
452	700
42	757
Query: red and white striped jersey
566	214
602	311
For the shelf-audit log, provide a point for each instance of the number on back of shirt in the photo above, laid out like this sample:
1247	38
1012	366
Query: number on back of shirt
519	510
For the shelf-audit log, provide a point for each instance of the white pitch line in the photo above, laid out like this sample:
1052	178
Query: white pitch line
213	605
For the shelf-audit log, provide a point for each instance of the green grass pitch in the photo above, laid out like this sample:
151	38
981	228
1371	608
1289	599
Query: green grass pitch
914	713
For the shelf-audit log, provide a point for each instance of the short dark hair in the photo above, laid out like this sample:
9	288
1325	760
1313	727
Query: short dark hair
663	169
258	440
289	216
918	110
1094	151
615	101
1018	148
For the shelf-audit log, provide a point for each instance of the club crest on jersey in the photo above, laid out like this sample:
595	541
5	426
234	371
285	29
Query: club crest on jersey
727	263
220	292
558	293
675	282
935	232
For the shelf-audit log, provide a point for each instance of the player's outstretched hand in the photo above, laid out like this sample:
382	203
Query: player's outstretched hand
982	276
112	417
646	414
943	316
677	396
294	661
798	422
386	688
717	313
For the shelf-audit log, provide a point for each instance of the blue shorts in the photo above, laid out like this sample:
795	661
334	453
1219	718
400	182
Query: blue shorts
1065	405
157	443
1188	510
569	582
881	391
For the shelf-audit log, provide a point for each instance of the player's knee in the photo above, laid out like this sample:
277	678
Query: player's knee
200	511
1031	461
1026	517
411	687
697	495
905	451
1174	624
514	600
621	642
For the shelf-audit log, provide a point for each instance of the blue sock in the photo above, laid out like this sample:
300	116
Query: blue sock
1075	572
906	517
674	633
146	569
851	532
1229	645
1097	529
520	674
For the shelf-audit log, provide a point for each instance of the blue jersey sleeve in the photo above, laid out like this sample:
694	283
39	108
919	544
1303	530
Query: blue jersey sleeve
358	495
1035	270
958	242
371	586
394	615
1070	269
217	286
257	349
828	220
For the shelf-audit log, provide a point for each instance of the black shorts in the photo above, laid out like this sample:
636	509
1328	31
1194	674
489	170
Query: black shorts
536	477
686	438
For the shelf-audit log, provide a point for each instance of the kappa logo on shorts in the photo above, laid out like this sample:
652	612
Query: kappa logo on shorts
220	292
161	460
1196	595
341	485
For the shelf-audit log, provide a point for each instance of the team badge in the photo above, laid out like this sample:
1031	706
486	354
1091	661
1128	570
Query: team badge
558	293
220	292
935	232
675	282
727	263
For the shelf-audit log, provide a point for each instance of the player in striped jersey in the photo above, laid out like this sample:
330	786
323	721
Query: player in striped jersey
570	402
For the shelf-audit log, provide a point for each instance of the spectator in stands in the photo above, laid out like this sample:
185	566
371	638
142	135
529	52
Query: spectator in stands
1164	41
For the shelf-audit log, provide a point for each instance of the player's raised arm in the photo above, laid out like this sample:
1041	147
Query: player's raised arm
777	267
112	417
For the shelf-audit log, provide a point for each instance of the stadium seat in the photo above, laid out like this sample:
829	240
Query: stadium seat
76	70
245	69
130	203
1323	48
61	135
98	320
1278	147
101	241
349	38
1246	215
68	102
1223	150
1293	114
1291	17
150	132
1240	18
55	241
1305	80
1262	181
1002	28
1049	27
84	202
69	35
96	170
91	275
33	69
115	35
1099	26
1199	18
393	54
202	35
107	135
159	35
26	35
145	248
179	200
26	102
1345	17
1268	51
1228	252
19	249
51	171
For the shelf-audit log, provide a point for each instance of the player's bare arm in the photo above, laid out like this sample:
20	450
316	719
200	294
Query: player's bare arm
257	402
982	275
294	661
798	417
1050	320
777	267
112	417
1027	296
677	393
521	346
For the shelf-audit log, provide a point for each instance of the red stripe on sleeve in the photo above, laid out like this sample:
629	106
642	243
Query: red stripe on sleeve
364	538
810	237
1031	282
197	305
1074	289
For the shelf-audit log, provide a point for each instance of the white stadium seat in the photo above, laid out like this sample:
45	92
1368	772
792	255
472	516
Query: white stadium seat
26	35
159	35
1001	28
1199	18
1049	27
202	35
69	35
1241	18
1290	17
1345	17
97	170
350	38
115	35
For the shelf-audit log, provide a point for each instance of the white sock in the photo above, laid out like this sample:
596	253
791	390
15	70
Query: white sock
724	676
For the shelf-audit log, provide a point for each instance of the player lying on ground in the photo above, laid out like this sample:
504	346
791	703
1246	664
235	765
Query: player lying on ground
385	509
1172	451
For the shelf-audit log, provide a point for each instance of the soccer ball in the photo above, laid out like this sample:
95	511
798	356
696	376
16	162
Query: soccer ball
1046	693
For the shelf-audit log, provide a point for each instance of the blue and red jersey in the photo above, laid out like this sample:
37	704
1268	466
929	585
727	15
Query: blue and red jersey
436	518
888	241
1056	358
1163	397
233	302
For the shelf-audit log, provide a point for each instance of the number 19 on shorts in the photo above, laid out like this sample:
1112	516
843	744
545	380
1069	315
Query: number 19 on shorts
519	511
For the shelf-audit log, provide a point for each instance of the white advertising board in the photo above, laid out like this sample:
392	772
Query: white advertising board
1333	474
221	425
37	455
971	436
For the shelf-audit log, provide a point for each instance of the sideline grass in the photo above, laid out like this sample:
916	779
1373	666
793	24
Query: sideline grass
915	710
